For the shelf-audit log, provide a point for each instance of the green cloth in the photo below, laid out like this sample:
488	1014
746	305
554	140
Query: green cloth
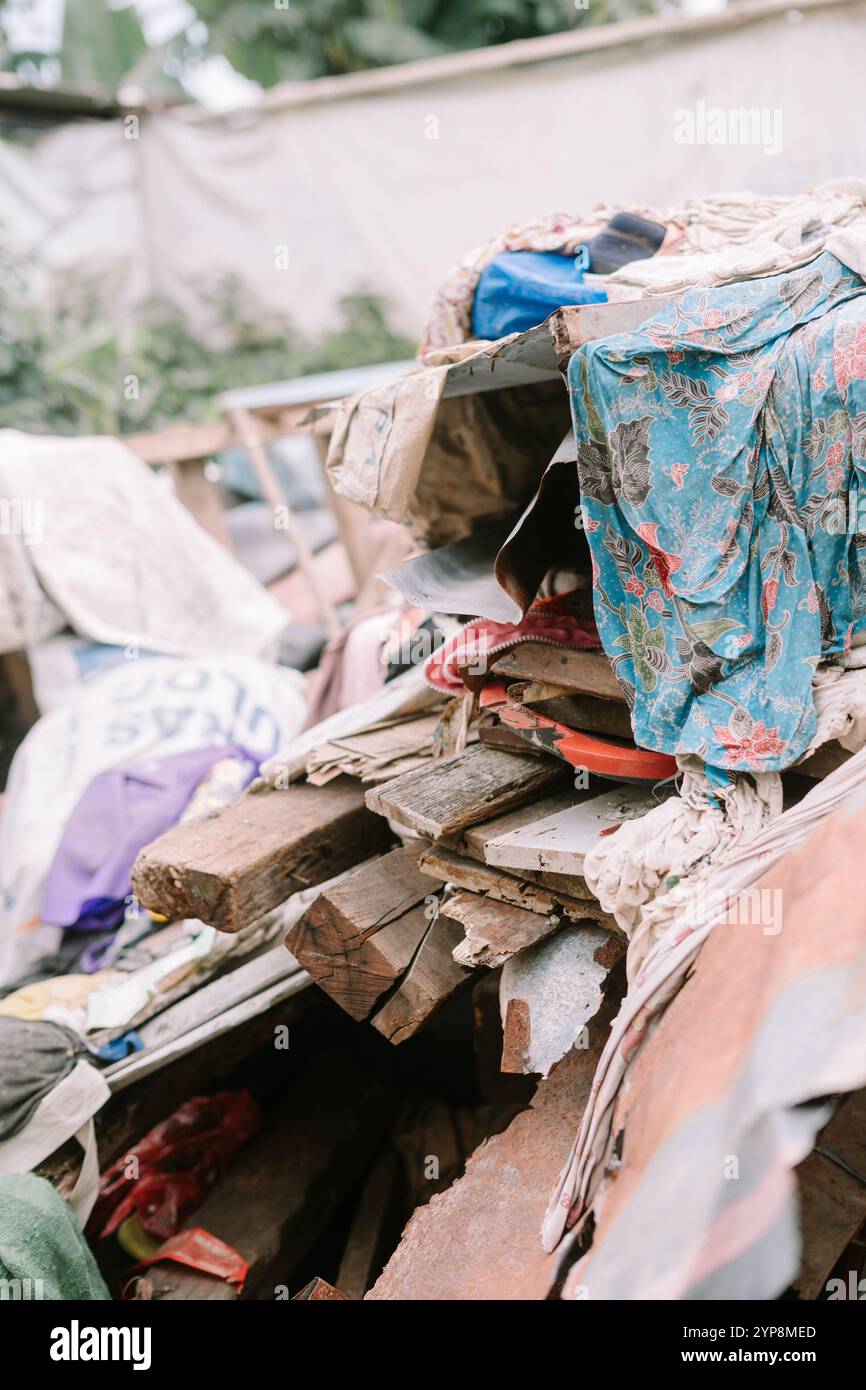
40	1240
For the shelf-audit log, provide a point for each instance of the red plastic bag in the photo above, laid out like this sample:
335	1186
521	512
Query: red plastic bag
197	1249
168	1172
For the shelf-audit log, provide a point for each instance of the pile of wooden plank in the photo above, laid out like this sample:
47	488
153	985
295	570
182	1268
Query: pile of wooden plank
464	862
447	843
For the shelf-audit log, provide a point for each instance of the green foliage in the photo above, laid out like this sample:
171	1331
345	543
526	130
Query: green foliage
271	41
99	44
314	38
67	368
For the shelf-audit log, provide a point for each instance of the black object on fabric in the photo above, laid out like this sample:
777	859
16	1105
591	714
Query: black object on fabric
34	1056
625	238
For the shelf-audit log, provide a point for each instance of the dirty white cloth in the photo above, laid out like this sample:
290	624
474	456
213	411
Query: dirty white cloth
840	703
66	1111
646	872
666	967
738	236
710	241
678	840
90	539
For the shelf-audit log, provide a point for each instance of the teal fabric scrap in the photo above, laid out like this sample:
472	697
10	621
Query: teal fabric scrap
721	460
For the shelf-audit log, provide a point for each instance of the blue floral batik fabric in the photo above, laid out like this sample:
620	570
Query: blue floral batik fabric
721	457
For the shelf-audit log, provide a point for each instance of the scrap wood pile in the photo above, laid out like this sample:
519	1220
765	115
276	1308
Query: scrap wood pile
628	782
520	953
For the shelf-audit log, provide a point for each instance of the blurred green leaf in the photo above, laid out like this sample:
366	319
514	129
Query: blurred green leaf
99	44
291	40
376	43
65	364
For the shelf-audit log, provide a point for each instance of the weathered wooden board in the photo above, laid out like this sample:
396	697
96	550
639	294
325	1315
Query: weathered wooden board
582	712
450	867
237	1017
464	789
285	1184
493	734
474	842
231	868
573	325
495	931
475	837
359	937
431	979
363	1255
586	673
560	843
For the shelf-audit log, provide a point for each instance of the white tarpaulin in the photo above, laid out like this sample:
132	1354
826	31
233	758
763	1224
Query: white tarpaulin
90	539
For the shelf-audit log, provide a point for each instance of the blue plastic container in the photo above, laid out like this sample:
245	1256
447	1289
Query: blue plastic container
519	289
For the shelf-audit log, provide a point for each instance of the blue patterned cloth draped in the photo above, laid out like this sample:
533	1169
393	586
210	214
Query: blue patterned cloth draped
721	459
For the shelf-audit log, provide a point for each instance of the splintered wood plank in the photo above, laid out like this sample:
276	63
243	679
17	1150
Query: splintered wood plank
355	977
431	979
581	712
561	842
494	931
573	325
587	673
285	1184
450	867
464	789
476	837
359	937
233	867
495	735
